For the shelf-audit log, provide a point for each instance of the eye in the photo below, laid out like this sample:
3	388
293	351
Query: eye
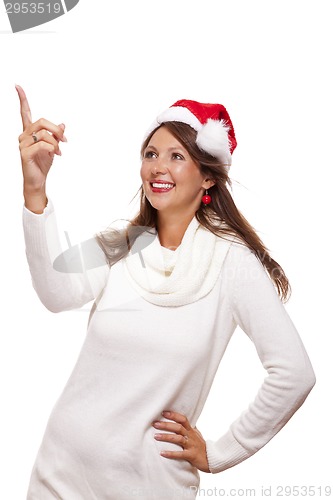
150	154
177	156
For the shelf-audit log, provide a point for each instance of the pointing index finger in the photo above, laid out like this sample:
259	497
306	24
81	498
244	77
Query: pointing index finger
25	108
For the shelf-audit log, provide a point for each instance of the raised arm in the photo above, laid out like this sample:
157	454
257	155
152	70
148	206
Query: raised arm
39	142
73	284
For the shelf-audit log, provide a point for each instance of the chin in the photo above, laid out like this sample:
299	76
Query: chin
158	204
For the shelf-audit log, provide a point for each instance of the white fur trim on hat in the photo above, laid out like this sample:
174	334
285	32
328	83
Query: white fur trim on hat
213	138
175	114
180	114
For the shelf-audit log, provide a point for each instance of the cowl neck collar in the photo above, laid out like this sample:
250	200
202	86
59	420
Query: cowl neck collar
175	278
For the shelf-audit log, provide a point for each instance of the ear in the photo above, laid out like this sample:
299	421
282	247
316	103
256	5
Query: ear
208	183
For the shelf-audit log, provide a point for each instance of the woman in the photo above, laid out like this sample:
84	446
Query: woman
168	294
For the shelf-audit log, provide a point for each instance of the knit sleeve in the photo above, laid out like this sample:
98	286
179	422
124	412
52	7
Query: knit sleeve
67	279
260	313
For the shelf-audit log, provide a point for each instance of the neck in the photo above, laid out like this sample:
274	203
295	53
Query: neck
171	229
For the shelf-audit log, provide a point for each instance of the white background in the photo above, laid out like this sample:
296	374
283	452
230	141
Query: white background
106	69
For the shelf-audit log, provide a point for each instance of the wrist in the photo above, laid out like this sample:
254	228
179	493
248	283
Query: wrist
35	202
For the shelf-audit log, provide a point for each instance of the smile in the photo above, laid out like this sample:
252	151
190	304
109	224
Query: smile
161	187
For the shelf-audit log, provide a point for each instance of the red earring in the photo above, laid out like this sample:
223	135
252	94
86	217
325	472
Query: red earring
206	199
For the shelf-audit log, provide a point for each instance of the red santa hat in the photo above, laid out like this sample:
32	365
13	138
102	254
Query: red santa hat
215	132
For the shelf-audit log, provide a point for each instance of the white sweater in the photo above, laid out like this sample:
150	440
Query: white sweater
160	324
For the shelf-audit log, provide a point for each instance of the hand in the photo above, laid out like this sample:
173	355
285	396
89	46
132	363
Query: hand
194	446
37	154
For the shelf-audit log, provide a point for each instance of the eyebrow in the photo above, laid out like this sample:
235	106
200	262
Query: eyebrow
173	148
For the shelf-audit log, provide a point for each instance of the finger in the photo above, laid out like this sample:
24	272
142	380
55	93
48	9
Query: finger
172	438
45	136
171	427
178	455
177	417
39	147
56	130
41	136
62	126
25	108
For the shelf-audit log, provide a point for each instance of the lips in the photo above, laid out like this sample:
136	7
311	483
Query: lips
161	187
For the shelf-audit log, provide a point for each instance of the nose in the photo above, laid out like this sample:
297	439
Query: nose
159	167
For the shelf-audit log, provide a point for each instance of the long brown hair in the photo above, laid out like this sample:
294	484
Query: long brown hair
117	243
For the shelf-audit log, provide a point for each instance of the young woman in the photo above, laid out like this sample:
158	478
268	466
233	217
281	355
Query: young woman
168	294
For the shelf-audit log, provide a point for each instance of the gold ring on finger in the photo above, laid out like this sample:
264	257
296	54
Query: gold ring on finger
34	136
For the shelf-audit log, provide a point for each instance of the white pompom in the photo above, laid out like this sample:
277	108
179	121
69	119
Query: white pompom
213	138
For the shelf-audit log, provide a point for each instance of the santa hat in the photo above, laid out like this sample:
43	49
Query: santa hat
215	132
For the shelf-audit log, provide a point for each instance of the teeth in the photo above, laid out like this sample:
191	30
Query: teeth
163	186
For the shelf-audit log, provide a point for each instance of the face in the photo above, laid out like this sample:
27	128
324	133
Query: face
172	181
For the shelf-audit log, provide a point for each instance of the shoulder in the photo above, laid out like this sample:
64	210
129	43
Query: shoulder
239	252
242	267
239	263
226	238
